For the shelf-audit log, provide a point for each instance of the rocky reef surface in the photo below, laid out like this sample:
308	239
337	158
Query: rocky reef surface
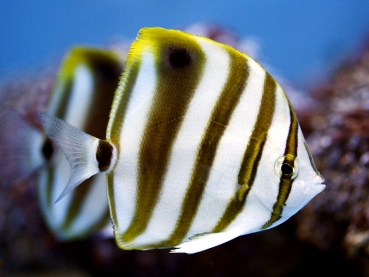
338	219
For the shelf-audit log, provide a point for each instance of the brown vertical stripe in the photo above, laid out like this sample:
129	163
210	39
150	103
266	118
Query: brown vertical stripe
286	181
177	82
95	226
49	185
106	70
253	153
79	193
77	205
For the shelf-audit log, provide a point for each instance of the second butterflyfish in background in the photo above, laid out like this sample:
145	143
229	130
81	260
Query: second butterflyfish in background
82	95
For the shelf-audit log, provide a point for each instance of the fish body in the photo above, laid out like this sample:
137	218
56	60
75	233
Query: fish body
82	96
202	146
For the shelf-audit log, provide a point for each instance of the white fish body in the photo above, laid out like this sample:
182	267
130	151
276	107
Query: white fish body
202	146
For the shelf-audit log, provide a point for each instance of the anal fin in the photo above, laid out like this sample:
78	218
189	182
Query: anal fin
203	242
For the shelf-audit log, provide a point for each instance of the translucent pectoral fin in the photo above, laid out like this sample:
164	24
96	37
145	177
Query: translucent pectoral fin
78	147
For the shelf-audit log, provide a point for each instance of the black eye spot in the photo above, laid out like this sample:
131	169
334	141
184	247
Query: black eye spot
286	169
47	149
179	57
104	154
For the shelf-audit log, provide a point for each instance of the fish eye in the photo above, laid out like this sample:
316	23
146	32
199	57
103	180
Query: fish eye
285	169
179	57
47	149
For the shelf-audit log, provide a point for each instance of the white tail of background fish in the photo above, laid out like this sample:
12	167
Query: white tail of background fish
78	147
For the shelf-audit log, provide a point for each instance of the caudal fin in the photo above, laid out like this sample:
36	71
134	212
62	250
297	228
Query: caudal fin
79	148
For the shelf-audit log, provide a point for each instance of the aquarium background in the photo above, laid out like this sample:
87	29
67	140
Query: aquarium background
297	38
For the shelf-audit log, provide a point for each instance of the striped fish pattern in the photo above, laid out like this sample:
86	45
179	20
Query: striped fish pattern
202	146
82	96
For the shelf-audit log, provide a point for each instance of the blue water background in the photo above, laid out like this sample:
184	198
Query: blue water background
297	38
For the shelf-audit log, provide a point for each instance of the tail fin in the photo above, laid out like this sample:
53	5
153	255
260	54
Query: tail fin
20	147
78	147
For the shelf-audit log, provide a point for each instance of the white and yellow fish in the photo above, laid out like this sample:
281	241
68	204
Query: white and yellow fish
202	146
82	96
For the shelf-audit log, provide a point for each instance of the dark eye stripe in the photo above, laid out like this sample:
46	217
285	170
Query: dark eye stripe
285	184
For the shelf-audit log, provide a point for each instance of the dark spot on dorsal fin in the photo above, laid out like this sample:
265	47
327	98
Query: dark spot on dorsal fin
47	149
179	57
104	154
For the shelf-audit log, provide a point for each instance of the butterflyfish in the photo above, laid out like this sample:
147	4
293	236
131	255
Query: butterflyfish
82	95
202	146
